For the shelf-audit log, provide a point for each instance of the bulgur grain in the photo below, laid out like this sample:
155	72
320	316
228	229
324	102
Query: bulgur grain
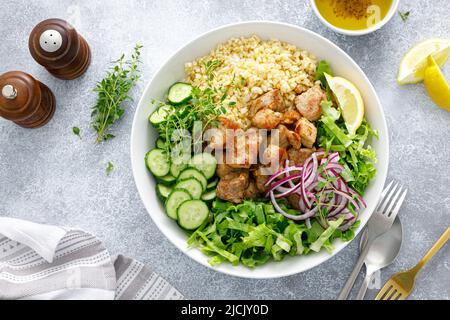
251	67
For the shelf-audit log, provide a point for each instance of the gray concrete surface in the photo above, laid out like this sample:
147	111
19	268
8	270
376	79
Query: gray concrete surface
49	175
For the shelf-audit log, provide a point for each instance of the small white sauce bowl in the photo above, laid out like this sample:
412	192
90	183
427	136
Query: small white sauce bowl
389	15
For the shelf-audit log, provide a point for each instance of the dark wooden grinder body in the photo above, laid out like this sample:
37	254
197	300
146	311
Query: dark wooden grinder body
34	103
70	60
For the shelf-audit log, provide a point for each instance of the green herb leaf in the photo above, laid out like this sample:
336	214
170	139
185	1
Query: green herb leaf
113	92
404	15
109	168
76	131
210	67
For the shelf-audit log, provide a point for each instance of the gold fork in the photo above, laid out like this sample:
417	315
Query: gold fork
401	284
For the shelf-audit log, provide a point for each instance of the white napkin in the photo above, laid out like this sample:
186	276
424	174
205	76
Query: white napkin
48	262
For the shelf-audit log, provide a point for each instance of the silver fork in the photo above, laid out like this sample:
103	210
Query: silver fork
381	221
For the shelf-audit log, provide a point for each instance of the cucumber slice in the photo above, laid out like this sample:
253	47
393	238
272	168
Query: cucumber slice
179	93
167	179
209	196
191	185
157	162
192	214
176	197
205	163
212	184
175	169
160	114
163	191
194	173
160	143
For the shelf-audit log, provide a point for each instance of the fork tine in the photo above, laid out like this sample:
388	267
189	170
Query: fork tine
388	197
386	189
384	291
383	194
391	294
398	205
398	296
393	202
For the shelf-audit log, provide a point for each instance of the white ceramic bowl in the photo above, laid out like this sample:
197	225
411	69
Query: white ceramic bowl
143	135
389	15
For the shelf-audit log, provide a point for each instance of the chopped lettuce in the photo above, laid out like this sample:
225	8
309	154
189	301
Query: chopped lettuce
322	68
332	227
253	233
357	156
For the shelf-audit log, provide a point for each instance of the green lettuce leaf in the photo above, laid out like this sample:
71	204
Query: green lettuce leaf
333	225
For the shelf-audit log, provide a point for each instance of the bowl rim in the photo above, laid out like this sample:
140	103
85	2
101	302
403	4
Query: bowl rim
382	174
386	19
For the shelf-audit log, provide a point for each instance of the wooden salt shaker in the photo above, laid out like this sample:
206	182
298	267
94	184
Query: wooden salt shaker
24	100
57	46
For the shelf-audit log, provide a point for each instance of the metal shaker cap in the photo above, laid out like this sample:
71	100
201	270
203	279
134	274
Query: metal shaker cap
9	92
50	40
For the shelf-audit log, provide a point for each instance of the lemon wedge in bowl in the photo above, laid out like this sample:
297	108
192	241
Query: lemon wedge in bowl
413	65
349	100
437	86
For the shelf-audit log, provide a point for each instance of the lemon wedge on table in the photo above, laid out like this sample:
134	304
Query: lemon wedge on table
437	86
413	65
349	100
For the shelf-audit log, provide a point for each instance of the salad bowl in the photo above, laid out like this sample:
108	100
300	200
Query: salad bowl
143	136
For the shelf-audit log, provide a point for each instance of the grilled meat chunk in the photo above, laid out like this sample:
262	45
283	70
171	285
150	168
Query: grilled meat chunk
298	156
307	131
267	119
308	103
232	187
270	100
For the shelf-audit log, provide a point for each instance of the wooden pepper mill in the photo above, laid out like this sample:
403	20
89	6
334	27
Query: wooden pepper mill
57	46
24	100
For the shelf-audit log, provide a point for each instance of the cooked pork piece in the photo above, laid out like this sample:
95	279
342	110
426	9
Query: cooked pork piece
283	137
223	170
274	156
270	100
293	200
228	123
308	103
260	180
232	187
216	137
307	131
245	149
267	119
291	117
287	138
298	157
251	192
295	140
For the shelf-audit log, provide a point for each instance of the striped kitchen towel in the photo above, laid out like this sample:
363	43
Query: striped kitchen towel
48	262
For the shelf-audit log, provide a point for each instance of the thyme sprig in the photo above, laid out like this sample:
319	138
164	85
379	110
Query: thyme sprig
112	92
202	107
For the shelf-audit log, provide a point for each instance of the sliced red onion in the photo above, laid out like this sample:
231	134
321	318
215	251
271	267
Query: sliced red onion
349	198
280	173
308	223
305	183
291	216
358	197
336	167
334	157
283	181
